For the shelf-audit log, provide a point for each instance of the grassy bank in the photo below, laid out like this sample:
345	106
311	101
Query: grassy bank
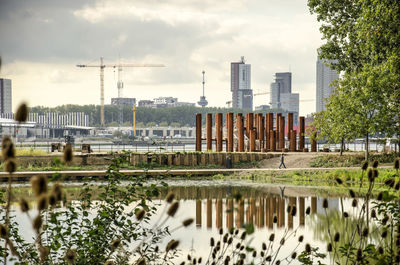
351	160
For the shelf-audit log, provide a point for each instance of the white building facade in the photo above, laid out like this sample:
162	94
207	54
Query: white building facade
5	96
324	89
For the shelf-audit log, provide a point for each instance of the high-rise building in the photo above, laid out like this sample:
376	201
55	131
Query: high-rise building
5	96
282	85
242	94
325	76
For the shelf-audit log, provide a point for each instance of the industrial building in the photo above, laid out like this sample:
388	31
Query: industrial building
325	76
163	102
5	96
242	94
130	102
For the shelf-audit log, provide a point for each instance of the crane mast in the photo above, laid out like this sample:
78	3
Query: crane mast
120	84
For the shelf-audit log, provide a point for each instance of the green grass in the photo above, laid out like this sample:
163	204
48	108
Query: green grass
352	160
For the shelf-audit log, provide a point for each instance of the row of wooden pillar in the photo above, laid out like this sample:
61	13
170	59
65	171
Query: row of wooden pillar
259	211
258	128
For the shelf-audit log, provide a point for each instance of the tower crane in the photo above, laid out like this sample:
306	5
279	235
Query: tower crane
119	66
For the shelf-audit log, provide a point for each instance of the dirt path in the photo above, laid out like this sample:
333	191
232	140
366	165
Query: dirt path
292	160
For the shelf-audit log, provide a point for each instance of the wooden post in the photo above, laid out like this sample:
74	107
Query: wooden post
282	133
267	129
293	136
290	125
272	141
277	126
230	132
314	144
239	125
250	124
252	140
209	131
302	133
218	131
198	132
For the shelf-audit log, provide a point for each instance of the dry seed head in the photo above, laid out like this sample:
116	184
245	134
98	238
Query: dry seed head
42	202
22	113
308	210
189	257
115	243
212	242
364	165
308	248
272	237
182	263
345	214
264	246
294	255
44	252
57	189
354	203
7	148
243	236
68	153
289	209
397	186
173	244
380	196
173	208
384	234
365	232
39	185
140	214
375	164
329	247
301	238
70	256
359	254
380	250
188	222
294	210
339	181
278	262
325	203
376	173
3	231
352	193
10	165
390	182
268	258
37	223
52	199
141	261
254	254
199	260
23	205
373	213
336	238
275	219
385	219
370	174
397	164
282	242
170	197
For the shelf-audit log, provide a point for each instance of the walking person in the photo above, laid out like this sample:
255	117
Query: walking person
282	161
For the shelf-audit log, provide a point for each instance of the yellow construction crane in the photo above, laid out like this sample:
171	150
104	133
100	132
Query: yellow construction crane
119	85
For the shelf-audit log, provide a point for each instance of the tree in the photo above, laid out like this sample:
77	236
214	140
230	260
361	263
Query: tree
363	40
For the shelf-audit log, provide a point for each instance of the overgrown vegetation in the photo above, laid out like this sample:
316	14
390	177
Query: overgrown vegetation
350	160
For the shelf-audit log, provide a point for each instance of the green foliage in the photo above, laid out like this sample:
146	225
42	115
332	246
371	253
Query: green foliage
351	160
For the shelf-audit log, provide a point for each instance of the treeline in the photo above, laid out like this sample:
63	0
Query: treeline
175	116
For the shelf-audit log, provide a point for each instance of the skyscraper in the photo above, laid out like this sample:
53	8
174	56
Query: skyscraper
5	96
242	95
282	85
325	76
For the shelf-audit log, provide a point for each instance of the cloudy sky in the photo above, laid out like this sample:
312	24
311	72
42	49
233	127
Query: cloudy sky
42	41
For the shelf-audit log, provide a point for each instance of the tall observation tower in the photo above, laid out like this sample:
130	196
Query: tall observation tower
203	102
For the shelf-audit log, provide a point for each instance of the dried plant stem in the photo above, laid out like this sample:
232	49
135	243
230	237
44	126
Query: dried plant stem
8	213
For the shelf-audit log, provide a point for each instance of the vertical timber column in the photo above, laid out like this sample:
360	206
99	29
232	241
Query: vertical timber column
277	126
267	129
230	132
239	125
252	140
282	133
301	211
209	213
218	215
290	125
209	131
198	213
198	132
314	143
302	133
218	131
272	140
251	123
293	138
247	125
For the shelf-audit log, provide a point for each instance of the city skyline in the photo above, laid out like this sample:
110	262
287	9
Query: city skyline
274	36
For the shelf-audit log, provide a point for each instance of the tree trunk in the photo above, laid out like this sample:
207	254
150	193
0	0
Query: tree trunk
366	147
341	147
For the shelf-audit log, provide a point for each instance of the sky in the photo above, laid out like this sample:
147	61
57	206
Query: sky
42	41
